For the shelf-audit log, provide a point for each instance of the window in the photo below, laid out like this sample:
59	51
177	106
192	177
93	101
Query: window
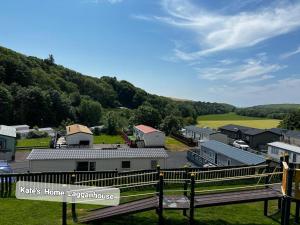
294	157
2	143
153	164
228	162
86	166
82	166
274	150
92	166
125	164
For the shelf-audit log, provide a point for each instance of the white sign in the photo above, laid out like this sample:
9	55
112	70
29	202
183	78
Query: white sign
68	193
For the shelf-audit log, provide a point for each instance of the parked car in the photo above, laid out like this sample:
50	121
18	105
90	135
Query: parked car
240	144
5	167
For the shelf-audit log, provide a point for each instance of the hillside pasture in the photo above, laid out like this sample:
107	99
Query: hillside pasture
218	120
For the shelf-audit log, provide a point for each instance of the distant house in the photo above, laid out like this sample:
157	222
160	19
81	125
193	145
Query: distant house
288	136
96	159
47	130
79	135
254	137
277	149
220	154
22	130
148	136
7	143
204	134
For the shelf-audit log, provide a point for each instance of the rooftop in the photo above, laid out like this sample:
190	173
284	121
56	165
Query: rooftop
146	129
200	130
240	155
285	146
246	130
44	154
7	131
77	128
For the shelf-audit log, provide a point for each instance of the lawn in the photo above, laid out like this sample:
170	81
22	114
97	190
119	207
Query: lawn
174	145
218	120
36	142
108	139
49	213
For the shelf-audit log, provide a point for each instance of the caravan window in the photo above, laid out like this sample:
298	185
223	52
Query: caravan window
125	164
2	143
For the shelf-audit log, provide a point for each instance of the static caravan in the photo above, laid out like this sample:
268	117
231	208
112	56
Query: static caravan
7	143
79	135
149	136
220	154
41	160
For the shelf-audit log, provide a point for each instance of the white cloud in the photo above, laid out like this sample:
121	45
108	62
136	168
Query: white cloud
289	54
281	91
217	32
251	70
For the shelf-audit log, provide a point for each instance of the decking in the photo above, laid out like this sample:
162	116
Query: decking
183	203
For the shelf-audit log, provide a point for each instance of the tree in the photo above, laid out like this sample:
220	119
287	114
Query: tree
90	112
291	121
147	115
50	60
5	105
171	124
112	123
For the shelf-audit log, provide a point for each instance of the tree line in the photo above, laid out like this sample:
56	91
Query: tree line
39	92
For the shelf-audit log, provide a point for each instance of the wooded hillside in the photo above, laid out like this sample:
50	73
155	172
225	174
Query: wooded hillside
38	92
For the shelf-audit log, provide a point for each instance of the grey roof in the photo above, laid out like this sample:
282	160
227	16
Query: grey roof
234	153
246	130
286	132
43	154
7	131
285	146
200	130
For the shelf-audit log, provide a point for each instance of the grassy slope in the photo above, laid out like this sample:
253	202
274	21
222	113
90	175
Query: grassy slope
215	121
174	145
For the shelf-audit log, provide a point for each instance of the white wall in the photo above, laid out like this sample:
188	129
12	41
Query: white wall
74	139
276	152
101	164
154	139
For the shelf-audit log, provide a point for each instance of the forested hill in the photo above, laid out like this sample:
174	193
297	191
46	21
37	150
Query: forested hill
39	92
274	111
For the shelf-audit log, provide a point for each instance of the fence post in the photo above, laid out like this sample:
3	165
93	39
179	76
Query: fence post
160	199
64	209
267	180
157	177
185	186
74	215
288	198
279	204
192	199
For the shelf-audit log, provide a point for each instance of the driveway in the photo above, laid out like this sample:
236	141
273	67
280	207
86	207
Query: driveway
21	164
178	160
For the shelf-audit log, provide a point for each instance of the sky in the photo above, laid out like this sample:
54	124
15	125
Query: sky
242	52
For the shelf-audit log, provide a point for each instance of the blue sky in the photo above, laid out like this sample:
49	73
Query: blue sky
243	52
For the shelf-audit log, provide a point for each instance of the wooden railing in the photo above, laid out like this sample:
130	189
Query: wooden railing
115	178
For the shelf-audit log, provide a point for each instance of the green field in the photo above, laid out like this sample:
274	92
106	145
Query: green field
218	120
174	145
108	139
37	142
